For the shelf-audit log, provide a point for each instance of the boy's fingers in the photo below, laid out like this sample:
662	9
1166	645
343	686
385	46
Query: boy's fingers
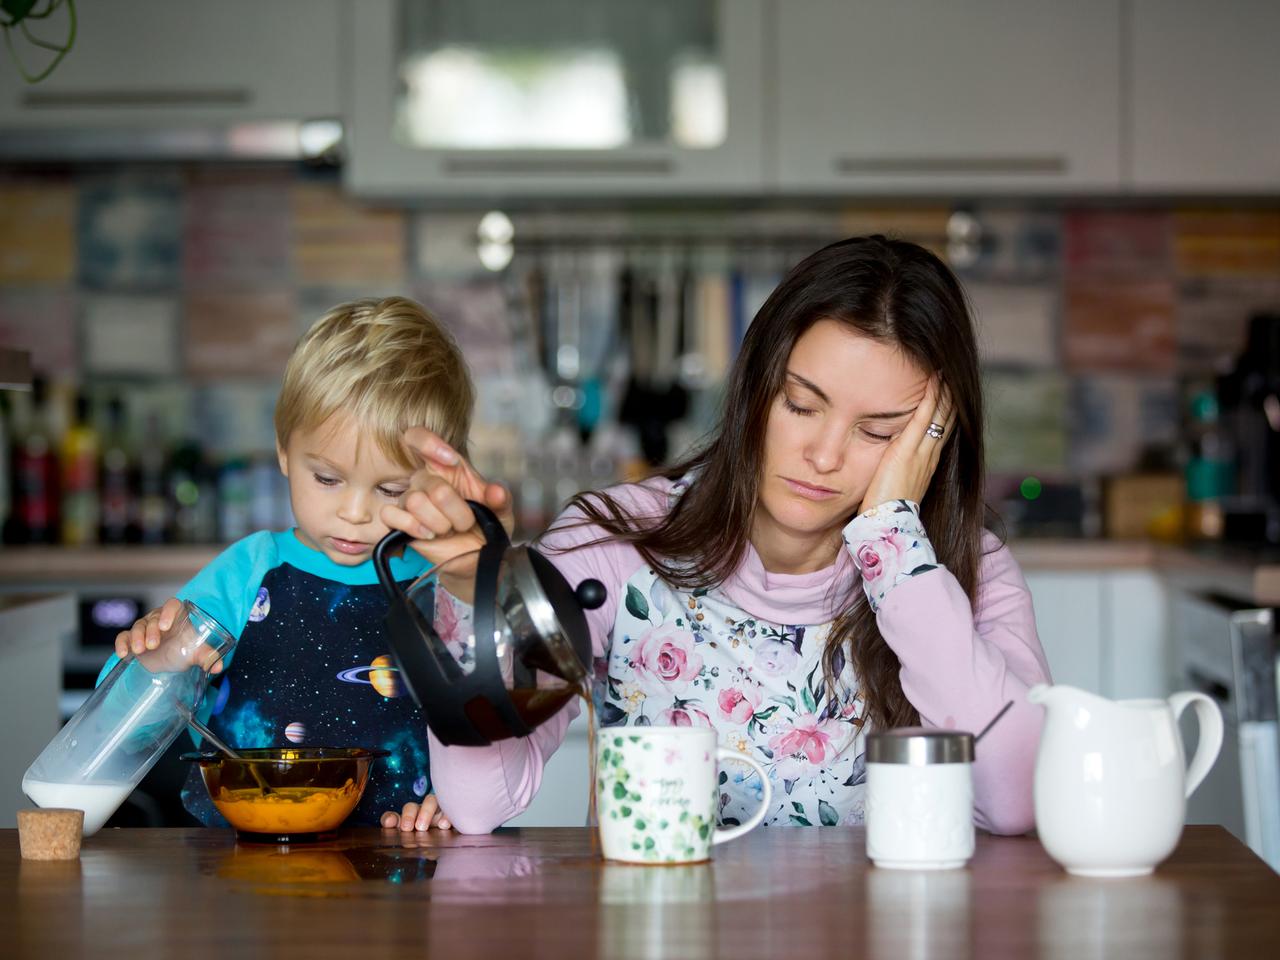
431	446
390	820
431	517
453	507
427	812
397	518
496	496
122	644
169	612
408	815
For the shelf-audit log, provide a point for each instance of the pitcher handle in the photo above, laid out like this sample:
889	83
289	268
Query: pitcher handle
732	833
1209	717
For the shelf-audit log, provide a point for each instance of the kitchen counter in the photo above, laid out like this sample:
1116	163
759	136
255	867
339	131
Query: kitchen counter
1249	575
544	893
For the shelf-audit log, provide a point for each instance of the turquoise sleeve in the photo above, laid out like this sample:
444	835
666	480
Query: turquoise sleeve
226	590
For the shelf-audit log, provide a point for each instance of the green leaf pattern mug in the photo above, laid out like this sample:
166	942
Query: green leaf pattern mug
657	793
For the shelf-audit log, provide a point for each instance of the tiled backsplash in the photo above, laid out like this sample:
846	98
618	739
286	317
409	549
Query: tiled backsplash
190	285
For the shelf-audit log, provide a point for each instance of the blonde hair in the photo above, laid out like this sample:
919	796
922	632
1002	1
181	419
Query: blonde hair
387	363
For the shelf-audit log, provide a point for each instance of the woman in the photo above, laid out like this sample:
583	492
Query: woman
819	569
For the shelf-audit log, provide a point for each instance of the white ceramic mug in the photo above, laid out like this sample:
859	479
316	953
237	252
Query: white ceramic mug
1112	780
657	794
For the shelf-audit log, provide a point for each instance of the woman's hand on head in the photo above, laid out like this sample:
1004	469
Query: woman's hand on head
910	460
435	511
417	816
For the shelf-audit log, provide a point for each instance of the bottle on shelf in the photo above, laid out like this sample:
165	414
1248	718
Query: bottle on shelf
151	507
80	449
1210	474
116	507
193	495
34	514
235	496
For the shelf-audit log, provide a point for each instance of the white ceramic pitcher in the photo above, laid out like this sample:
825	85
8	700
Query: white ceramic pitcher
1111	782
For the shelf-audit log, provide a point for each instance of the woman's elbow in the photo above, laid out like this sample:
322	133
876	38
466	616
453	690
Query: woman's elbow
472	823
1009	819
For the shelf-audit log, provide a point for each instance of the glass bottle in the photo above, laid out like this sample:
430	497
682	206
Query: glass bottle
116	502
117	735
35	469
80	448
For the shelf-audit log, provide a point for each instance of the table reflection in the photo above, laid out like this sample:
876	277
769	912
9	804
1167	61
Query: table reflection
657	911
1081	918
918	913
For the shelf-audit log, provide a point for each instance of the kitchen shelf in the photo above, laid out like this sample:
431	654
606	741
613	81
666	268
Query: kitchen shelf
61	565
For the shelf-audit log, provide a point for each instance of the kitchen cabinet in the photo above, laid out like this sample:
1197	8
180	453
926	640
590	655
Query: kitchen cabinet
920	96
1069	620
564	797
481	98
34	631
183	63
1203	77
1202	651
1105	631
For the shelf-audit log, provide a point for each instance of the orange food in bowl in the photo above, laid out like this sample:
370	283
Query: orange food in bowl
288	809
286	794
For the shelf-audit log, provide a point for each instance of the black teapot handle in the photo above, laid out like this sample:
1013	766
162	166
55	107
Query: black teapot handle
393	544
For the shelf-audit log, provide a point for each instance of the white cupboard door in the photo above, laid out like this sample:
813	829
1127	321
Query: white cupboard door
910	96
634	98
1138	658
1205	114
149	63
1069	620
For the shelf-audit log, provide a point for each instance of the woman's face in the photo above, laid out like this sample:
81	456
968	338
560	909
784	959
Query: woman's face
845	398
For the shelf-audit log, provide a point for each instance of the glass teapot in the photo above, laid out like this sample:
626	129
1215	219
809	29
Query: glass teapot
497	656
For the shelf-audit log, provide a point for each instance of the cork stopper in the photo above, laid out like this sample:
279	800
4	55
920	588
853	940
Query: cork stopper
51	834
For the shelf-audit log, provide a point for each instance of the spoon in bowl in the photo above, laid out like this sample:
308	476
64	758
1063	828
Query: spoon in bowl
214	739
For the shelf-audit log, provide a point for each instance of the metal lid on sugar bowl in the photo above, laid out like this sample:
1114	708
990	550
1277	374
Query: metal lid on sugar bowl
919	747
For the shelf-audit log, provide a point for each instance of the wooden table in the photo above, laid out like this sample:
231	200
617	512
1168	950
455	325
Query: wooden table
537	893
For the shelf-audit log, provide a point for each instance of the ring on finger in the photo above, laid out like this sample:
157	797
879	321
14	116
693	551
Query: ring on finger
935	430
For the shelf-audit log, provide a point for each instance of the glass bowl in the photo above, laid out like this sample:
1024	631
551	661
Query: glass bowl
286	794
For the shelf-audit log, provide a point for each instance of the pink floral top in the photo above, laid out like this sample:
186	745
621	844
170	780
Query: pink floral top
698	658
745	658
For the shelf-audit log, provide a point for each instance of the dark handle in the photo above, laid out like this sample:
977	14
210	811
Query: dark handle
393	544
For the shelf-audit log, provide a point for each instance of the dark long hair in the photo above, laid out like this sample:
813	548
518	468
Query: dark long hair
894	292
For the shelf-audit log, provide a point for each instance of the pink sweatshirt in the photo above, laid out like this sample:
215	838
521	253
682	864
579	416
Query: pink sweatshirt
746	659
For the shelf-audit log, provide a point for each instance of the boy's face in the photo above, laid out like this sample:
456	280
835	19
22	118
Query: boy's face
338	487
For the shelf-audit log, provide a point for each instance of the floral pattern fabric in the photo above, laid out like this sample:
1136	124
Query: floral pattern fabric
694	658
889	545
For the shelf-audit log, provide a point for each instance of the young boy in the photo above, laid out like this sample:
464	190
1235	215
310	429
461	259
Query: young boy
311	665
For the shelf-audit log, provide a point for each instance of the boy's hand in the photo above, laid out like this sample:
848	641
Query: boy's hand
145	633
908	464
435	510
417	816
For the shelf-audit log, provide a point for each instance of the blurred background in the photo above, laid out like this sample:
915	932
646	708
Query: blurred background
596	198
